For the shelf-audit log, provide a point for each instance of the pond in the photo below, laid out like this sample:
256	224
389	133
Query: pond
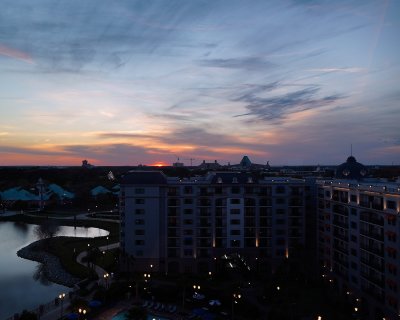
22	283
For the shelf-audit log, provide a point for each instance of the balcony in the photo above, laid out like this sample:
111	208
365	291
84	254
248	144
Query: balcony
370	233
295	203
374	278
340	223
372	218
375	249
376	294
341	249
342	236
375	263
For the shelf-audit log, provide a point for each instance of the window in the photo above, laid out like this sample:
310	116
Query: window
188	221
280	241
392	253
235	190
139	201
139	211
188	190
235	201
280	232
139	190
188	211
353	225
327	194
188	241
188	201
353	238
280	189
354	266
188	252
235	232
139	253
235	221
188	232
354	252
235	211
139	242
139	232
391	205
235	243
280	200
353	198
391	220
139	221
280	211
280	221
353	211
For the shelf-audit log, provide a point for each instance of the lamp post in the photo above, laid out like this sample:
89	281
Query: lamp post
61	296
82	312
106	276
107	243
196	287
235	298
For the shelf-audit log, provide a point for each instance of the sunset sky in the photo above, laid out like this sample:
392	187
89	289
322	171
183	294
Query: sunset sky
126	82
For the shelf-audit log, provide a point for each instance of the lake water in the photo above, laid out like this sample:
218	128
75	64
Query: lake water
22	285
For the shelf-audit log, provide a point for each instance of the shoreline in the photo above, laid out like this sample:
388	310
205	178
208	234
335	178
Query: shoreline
53	270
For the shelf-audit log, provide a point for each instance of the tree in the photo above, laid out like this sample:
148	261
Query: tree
47	229
26	315
136	313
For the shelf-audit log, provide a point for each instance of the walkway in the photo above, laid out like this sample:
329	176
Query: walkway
99	271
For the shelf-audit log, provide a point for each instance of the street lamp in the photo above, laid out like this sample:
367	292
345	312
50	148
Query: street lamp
61	296
235	298
107	243
106	276
196	287
82	312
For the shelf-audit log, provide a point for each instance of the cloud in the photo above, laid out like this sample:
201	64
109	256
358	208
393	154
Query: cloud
277	108
15	54
247	63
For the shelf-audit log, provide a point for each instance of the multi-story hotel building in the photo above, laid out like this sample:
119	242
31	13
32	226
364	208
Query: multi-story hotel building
359	244
186	225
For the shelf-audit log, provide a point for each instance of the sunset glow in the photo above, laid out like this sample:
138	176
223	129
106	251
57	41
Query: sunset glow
136	82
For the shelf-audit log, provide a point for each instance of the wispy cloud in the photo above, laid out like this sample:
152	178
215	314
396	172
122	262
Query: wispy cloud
275	109
15	54
247	63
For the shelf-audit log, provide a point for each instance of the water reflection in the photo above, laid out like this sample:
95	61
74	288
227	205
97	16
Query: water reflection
22	290
21	228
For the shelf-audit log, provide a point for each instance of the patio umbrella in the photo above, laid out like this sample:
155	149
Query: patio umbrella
214	303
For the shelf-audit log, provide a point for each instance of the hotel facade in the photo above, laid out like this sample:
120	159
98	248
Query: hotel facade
188	225
359	244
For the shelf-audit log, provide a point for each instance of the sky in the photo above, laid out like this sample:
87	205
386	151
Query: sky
130	82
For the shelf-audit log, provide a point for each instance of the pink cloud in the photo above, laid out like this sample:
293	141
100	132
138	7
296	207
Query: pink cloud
15	54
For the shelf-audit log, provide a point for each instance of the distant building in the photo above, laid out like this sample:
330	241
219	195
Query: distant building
209	165
189	225
351	169
86	164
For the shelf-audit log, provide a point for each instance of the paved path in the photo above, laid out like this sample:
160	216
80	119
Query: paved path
99	271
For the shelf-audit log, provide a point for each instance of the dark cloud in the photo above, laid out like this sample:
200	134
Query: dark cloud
275	109
30	151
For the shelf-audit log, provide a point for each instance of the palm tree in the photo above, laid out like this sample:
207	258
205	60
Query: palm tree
136	313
